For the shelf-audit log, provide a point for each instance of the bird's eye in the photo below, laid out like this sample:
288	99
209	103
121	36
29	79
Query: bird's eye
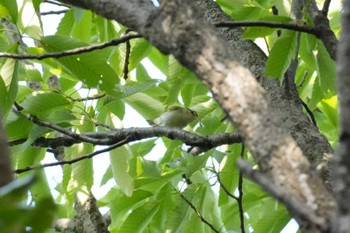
193	112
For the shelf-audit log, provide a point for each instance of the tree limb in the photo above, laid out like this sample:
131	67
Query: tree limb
321	23
341	170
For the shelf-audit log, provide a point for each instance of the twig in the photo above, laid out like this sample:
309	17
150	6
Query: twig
57	3
309	112
127	59
239	199
53	12
71	51
88	156
87	98
240	194
294	27
228	193
198	213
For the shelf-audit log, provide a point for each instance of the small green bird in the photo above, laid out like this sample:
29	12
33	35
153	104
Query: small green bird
176	117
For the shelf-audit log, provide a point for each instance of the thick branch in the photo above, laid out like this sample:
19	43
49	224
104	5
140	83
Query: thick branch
321	23
286	104
342	160
294	206
136	134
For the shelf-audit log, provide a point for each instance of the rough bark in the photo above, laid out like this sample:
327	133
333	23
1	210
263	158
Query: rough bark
178	28
342	159
284	101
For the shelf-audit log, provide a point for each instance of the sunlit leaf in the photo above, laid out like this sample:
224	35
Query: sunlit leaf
282	53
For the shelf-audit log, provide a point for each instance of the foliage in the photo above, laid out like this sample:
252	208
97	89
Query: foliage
149	190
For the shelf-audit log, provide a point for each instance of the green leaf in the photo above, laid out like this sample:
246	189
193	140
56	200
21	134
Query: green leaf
142	148
133	88
31	27
270	216
42	215
120	204
90	68
45	103
9	7
142	74
147	106
307	46
36	4
256	32
139	50
82	172
326	69
105	29
178	215
194	163
76	23
176	79
249	12
282	53
34	133
107	176
229	175
120	167
41	189
329	107
159	60
66	24
9	74
139	218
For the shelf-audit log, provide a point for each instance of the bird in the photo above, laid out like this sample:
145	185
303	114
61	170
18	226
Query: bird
176	117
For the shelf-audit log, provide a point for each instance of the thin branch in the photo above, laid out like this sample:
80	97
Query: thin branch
239	199
325	7
57	3
198	213
53	12
75	136
228	193
70	52
294	27
87	98
240	194
63	162
127	60
309	112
